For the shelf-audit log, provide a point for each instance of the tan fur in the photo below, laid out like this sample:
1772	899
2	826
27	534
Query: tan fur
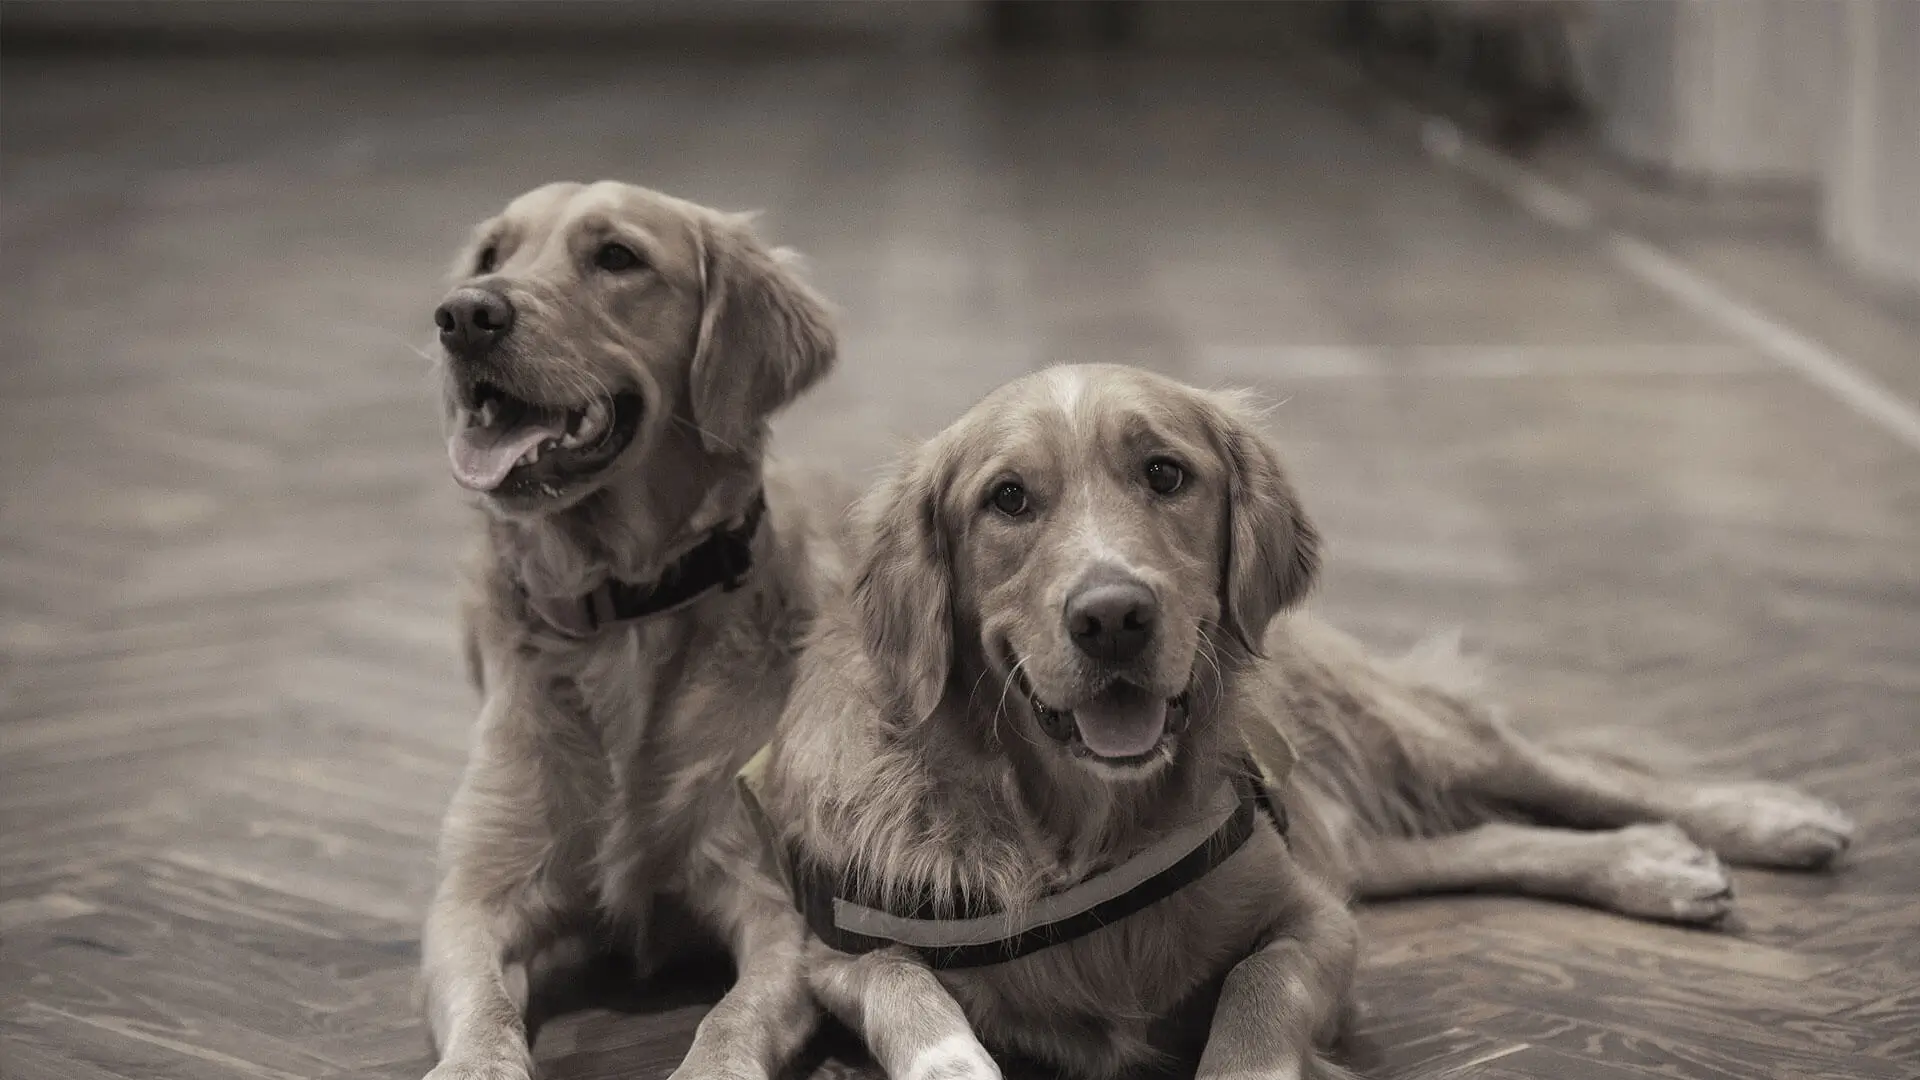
599	783
906	761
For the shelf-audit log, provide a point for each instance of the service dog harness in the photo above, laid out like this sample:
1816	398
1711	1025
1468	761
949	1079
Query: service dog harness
979	935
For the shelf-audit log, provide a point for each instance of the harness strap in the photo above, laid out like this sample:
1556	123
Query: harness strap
981	936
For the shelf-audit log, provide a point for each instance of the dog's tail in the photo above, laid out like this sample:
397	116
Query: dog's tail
1440	663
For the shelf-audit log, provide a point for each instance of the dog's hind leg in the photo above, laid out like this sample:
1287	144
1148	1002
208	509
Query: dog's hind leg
1462	753
1752	823
1650	871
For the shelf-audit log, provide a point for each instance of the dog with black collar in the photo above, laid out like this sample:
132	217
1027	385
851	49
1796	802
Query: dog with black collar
642	580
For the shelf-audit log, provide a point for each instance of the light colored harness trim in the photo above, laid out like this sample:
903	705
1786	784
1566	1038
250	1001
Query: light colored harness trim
1152	860
1269	750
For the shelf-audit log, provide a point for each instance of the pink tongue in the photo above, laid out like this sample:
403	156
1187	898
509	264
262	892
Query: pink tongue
483	456
1122	722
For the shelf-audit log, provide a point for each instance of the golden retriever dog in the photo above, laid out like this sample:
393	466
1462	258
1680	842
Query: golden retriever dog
612	356
1061	650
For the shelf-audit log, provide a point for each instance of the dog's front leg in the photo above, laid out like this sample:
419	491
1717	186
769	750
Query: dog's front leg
476	987
1281	1005
912	1026
754	1031
500	892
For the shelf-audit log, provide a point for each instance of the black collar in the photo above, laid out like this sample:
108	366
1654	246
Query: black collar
721	561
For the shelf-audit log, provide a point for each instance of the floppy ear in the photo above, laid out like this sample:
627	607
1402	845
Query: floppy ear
904	591
1270	551
764	336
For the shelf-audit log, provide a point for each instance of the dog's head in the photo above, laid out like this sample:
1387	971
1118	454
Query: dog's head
588	323
1091	550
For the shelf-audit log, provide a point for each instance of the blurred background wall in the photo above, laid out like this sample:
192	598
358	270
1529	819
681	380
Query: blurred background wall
1821	94
1814	96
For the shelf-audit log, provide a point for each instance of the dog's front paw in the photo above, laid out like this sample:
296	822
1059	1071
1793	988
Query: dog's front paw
955	1058
1655	872
1761	824
480	1070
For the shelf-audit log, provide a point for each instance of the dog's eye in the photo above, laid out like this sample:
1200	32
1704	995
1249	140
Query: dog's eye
1165	476
616	258
489	258
1010	499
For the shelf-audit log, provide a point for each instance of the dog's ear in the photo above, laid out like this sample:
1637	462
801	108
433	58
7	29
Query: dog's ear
1270	552
903	593
765	337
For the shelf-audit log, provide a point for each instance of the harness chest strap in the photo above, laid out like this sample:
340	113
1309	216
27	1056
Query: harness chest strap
981	937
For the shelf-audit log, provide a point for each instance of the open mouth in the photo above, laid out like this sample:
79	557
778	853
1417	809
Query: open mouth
1122	725
507	446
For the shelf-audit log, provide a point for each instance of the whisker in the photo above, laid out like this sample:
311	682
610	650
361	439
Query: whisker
1211	652
584	383
605	393
704	433
1000	708
973	696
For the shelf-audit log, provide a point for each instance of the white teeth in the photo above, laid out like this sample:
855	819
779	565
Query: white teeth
593	420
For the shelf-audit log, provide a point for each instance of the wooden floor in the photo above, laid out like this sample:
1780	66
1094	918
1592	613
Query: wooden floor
230	708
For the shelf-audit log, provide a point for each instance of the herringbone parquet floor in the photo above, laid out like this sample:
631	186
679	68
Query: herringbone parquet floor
230	707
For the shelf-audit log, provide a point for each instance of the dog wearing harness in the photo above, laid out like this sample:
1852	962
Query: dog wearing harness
981	934
1064	637
1023	798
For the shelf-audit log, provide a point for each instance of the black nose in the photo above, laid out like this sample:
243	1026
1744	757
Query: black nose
472	321
1112	619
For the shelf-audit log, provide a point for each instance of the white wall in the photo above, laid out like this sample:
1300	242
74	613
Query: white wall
1720	91
1872	193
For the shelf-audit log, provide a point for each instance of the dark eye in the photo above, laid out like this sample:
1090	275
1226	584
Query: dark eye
489	258
616	258
1010	499
1164	476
